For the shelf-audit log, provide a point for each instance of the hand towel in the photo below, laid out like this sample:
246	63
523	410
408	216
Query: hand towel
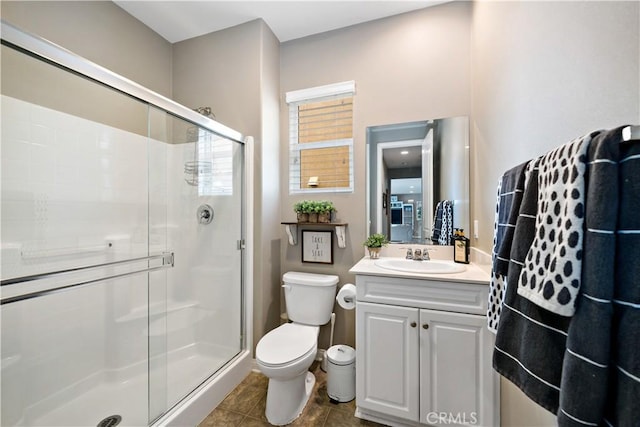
551	274
446	230
443	223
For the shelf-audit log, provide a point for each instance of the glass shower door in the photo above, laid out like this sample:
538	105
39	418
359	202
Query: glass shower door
75	249
196	212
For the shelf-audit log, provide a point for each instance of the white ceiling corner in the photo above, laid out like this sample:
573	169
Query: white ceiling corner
177	20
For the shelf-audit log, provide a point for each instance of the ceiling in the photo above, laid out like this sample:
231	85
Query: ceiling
402	157
289	20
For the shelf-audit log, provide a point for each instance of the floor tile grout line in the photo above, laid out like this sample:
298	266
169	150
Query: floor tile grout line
326	417
255	403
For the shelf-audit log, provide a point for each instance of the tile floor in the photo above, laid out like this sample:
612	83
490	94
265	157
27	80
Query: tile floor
245	405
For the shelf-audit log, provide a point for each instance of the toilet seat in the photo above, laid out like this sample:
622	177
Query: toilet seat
286	344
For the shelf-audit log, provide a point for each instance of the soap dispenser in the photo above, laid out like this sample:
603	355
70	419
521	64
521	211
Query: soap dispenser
460	247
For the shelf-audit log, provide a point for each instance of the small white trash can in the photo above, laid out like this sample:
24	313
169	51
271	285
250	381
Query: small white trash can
341	373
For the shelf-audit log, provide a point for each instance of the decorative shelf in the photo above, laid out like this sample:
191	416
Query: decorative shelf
340	227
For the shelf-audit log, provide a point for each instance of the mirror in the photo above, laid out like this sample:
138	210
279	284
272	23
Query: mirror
418	180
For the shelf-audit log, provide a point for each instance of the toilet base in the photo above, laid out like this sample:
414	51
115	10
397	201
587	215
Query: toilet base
287	398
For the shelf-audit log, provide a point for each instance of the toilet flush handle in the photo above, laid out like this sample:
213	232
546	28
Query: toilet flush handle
286	287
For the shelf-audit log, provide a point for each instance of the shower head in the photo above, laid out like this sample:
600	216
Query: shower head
205	111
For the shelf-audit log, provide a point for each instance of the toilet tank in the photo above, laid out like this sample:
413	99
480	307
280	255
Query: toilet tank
309	297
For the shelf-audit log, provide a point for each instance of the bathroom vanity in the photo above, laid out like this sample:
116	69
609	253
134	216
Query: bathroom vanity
423	350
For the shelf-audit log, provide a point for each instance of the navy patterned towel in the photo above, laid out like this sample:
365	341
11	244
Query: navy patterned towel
510	190
443	223
530	341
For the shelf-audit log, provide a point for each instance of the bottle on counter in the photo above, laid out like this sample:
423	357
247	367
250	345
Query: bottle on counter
460	246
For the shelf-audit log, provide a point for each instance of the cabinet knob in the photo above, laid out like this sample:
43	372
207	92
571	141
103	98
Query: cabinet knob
414	324
425	326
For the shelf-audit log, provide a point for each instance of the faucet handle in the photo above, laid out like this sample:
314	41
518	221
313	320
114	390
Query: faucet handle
409	254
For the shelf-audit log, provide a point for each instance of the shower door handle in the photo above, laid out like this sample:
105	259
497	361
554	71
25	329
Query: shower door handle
166	261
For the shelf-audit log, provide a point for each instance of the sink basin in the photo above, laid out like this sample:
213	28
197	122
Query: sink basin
424	267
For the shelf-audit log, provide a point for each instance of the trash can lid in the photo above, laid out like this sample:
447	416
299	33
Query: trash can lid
341	354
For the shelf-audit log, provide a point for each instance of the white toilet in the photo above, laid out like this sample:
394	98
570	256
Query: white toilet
285	354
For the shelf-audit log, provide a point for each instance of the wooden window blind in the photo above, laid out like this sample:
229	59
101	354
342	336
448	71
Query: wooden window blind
321	143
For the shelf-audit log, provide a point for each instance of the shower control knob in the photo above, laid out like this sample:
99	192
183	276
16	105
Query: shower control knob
205	214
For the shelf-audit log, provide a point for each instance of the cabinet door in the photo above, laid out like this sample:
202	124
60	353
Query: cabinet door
387	378
457	381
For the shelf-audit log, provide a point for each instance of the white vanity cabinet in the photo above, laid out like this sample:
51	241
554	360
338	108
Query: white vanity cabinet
424	353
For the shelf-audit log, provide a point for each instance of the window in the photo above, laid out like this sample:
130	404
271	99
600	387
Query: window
321	138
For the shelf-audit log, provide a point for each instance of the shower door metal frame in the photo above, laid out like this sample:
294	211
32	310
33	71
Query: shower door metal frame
62	57
165	257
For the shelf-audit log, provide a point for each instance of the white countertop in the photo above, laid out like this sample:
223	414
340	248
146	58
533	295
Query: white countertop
474	273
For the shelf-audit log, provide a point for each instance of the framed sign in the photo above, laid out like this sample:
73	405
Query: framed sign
317	246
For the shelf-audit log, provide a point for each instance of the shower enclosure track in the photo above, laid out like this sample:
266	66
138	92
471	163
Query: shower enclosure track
166	257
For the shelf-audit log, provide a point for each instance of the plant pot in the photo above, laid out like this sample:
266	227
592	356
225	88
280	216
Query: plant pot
324	217
313	217
303	217
374	253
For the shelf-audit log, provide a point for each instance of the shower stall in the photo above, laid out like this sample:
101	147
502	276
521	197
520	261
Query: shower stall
123	252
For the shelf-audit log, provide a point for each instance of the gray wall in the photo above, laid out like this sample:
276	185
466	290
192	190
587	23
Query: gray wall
101	32
407	68
267	254
235	72
543	74
221	70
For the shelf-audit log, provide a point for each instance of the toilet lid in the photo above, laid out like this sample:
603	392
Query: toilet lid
287	343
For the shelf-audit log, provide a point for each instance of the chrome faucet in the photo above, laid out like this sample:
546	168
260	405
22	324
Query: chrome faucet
409	254
418	254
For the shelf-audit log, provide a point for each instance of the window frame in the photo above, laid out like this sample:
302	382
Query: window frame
312	95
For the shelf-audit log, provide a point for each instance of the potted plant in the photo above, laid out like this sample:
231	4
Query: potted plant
314	210
374	244
324	208
302	210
